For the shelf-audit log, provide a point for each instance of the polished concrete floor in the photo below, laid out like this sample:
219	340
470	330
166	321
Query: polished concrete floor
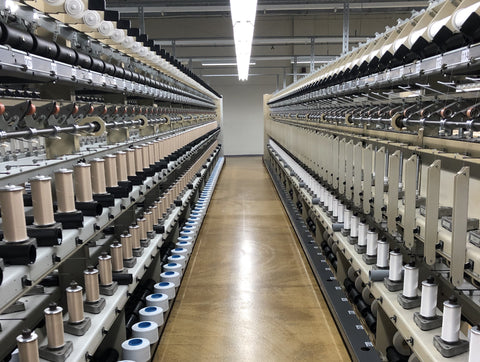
248	293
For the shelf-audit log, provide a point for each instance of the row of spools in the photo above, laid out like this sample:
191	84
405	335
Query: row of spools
145	333
150	318
387	267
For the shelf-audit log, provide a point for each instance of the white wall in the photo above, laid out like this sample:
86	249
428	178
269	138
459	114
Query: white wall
243	117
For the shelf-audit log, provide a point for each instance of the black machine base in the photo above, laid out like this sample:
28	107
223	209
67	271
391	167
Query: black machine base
21	253
56	355
70	220
46	235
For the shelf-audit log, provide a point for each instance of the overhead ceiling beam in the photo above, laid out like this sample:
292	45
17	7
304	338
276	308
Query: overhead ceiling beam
215	42
126	8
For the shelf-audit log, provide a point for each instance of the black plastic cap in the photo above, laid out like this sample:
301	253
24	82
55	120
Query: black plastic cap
133	32
52	306
453	299
111	15
96	5
123	24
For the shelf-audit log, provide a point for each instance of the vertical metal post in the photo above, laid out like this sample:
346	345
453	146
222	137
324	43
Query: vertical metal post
173	48
459	225
346	26
294	69
312	54
278	82
409	221
393	180
431	211
190	64
141	19
284	77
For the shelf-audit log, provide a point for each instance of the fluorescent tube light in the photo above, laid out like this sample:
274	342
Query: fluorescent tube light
228	75
222	64
243	21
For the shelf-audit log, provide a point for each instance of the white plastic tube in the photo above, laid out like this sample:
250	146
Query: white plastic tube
395	270
341	212
452	313
410	281
354	221
428	304
347	219
474	352
362	234
383	249
335	207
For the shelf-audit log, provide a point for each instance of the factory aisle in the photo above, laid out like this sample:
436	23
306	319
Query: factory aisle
248	293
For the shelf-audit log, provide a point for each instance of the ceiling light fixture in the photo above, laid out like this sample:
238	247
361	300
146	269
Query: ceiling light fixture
227	75
222	64
243	21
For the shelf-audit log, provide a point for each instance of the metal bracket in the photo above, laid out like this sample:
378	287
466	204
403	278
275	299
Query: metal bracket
117	135
64	144
42	113
341	166
459	225
367	178
431	211
379	180
349	170
335	151
311	148
393	180
14	115
408	221
357	185
325	151
331	163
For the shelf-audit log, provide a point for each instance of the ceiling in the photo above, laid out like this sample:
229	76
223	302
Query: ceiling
287	33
